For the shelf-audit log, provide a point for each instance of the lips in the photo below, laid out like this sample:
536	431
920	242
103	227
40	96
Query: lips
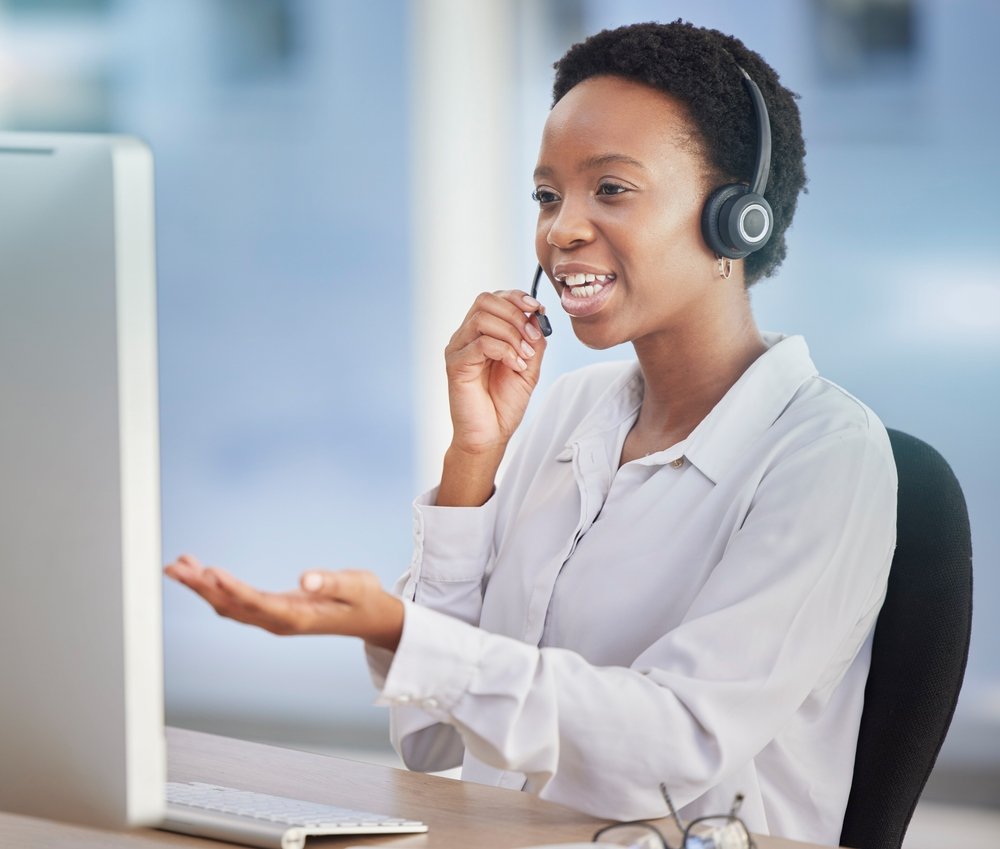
584	292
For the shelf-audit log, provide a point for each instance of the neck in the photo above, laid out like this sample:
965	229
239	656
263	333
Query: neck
689	368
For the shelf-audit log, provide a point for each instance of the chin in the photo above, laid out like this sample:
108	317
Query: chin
595	338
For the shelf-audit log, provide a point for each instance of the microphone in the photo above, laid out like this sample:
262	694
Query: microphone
543	321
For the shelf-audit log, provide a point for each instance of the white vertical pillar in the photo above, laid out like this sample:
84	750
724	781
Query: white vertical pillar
464	187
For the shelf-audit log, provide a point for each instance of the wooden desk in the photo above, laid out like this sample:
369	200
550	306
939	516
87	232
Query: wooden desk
461	815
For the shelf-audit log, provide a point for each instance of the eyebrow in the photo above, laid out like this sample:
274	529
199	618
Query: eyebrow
596	162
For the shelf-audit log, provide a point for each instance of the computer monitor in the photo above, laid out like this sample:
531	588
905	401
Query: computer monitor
81	672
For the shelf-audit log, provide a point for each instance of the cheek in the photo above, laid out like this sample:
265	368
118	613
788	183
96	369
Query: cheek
540	243
667	241
676	236
667	254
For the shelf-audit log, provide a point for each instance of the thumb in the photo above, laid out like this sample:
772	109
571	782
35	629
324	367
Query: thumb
345	585
312	582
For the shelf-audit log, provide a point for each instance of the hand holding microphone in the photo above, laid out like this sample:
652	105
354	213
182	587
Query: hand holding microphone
493	361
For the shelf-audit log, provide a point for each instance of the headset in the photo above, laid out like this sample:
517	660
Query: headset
543	320
736	220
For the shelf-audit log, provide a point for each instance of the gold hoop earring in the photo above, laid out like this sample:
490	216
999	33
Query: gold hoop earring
725	267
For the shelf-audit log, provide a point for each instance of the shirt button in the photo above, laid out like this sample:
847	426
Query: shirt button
430	703
402	700
678	462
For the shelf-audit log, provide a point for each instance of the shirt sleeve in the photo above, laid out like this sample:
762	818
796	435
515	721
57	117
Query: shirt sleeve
452	547
782	616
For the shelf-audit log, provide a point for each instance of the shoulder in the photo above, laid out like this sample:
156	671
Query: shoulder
817	410
823	410
780	409
828	447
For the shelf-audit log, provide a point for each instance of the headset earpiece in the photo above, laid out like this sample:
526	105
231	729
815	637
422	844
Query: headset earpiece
736	220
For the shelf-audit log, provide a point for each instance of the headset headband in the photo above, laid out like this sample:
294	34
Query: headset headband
763	167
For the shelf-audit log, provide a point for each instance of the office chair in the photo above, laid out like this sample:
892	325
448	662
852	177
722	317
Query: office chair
919	652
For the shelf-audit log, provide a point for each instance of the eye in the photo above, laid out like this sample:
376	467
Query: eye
544	196
611	189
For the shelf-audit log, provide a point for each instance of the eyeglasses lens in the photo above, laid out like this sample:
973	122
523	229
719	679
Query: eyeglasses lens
717	833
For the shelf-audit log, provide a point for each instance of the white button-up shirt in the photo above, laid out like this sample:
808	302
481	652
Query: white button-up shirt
701	616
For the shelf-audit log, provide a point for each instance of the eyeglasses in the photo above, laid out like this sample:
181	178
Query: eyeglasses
726	831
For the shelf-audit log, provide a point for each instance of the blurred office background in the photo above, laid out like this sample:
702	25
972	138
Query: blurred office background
337	178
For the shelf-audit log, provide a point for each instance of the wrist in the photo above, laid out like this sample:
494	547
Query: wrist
467	477
389	631
485	457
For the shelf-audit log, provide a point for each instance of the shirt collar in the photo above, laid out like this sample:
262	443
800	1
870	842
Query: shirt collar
750	406
619	401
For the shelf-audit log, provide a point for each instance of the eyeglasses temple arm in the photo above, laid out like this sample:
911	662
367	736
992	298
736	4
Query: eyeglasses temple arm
671	808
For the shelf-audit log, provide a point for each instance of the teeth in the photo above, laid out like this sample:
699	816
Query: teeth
586	285
582	279
585	291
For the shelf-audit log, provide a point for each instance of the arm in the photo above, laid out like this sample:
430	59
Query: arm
782	616
493	362
451	550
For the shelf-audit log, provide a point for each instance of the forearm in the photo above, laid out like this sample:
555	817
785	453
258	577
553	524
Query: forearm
467	479
544	713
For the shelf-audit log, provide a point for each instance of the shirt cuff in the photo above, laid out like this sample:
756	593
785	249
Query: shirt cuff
452	543
379	661
434	663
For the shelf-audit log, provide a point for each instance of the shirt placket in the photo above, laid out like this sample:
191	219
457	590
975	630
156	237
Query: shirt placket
593	479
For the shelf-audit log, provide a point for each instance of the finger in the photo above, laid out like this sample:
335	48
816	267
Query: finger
481	349
520	298
185	572
205	584
507	306
485	324
182	564
237	594
527	304
217	587
235	599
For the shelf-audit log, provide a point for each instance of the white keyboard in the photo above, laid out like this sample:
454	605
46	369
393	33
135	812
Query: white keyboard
271	822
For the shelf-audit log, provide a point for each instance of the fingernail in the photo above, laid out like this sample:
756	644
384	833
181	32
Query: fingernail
531	302
521	364
532	331
312	582
528	350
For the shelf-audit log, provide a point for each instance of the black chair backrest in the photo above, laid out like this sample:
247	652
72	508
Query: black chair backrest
920	649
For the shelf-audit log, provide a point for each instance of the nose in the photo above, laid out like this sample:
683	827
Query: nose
571	225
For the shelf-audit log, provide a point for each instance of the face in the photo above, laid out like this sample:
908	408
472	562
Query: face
620	185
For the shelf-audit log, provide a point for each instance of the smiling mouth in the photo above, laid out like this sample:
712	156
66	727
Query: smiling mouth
585	285
584	294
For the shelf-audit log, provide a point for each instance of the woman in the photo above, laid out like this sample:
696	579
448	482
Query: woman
678	576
